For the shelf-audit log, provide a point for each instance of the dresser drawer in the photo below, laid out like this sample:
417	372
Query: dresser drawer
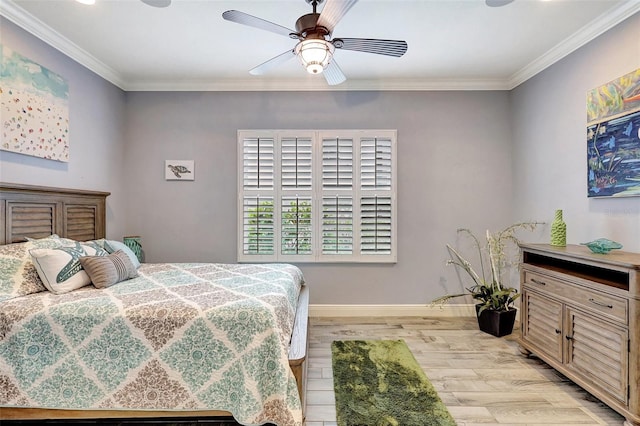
613	307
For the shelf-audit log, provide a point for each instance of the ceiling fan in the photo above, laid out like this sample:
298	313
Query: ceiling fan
315	48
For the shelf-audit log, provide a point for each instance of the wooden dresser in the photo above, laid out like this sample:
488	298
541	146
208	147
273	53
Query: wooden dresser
580	313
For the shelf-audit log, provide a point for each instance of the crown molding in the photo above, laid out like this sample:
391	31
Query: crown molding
304	85
31	24
575	41
20	17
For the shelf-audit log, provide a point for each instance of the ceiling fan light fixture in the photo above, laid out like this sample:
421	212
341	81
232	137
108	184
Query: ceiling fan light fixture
315	54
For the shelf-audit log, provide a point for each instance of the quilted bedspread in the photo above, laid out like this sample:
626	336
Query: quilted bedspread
177	337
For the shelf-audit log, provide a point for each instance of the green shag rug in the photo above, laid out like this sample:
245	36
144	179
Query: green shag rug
379	382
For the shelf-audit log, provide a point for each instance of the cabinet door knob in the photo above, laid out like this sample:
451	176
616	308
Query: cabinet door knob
533	280
558	331
569	337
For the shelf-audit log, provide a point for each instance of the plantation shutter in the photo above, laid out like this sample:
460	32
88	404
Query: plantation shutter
297	228
375	225
258	163
317	196
337	163
337	225
375	154
376	196
258	236
297	167
296	196
337	195
258	182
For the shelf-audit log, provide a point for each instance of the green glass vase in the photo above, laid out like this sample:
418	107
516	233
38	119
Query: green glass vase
135	244
558	230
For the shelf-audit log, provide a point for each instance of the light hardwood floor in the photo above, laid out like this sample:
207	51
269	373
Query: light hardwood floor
482	379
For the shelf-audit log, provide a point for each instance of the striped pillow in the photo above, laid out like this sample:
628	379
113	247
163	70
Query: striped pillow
106	271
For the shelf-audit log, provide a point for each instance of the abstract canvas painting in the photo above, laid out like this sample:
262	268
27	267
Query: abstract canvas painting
34	108
613	138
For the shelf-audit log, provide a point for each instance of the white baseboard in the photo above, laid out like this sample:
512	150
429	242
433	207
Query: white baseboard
391	311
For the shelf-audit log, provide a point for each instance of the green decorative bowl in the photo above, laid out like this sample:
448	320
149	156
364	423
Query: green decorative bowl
602	245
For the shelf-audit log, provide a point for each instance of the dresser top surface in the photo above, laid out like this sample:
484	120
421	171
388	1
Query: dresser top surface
579	252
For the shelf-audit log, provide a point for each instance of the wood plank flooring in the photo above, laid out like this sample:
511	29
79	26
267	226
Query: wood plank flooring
483	380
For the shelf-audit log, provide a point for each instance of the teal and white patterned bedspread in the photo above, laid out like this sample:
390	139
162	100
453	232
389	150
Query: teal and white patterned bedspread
178	337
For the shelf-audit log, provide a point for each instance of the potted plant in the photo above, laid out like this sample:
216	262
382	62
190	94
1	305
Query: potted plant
494	299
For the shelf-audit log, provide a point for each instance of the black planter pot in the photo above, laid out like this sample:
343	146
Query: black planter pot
496	323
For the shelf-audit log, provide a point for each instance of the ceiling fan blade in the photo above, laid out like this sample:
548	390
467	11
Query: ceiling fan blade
395	48
497	3
333	74
333	11
272	63
252	21
157	3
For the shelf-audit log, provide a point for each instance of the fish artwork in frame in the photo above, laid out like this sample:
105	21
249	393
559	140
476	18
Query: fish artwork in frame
179	170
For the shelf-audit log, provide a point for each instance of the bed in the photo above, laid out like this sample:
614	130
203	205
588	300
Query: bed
176	340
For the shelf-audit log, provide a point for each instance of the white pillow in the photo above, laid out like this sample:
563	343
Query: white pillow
59	268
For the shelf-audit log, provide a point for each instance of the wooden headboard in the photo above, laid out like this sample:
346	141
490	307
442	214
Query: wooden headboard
38	211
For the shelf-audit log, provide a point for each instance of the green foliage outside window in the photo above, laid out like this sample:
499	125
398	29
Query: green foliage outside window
260	229
296	228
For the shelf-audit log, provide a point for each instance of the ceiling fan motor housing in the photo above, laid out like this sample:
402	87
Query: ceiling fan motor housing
307	27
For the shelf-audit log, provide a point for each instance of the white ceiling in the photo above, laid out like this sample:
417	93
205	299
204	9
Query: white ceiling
453	44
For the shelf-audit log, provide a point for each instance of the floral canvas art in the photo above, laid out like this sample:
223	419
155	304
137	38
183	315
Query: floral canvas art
613	138
34	108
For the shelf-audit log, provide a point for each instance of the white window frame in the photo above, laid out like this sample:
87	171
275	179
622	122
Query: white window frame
316	194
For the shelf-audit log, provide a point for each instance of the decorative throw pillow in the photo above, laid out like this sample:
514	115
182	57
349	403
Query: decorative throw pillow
18	275
59	268
111	246
105	271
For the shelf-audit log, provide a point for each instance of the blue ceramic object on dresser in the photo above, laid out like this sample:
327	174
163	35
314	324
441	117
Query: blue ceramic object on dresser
602	245
134	242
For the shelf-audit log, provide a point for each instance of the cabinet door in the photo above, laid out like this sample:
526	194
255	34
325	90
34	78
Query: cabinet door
542	323
597	351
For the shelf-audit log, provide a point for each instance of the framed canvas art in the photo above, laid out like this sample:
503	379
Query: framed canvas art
34	108
613	138
179	170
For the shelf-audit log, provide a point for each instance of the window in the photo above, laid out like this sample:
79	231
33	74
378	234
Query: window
317	196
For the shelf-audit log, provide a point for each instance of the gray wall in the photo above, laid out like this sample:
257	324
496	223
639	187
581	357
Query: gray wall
549	140
466	159
454	169
96	122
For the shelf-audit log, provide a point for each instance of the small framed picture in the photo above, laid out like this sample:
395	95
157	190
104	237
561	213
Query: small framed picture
179	170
